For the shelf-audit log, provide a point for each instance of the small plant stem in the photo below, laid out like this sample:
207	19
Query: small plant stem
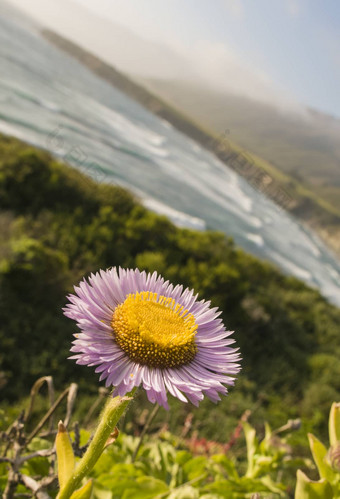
113	411
145	429
48	414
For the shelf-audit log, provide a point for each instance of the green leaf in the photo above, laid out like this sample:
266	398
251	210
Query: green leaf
185	492
249	485
182	457
195	467
84	492
84	436
39	444
145	487
160	456
37	466
100	493
251	441
3	469
319	453
265	444
334	424
119	478
276	488
228	489
3	482
227	465
223	488
307	489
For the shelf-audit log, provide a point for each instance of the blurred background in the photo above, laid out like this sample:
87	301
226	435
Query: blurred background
199	139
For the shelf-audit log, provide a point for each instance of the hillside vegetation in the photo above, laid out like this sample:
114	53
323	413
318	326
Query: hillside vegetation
57	225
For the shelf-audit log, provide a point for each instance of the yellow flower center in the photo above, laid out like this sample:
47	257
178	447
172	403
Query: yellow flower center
155	330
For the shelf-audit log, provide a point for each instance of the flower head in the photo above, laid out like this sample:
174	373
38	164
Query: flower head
139	329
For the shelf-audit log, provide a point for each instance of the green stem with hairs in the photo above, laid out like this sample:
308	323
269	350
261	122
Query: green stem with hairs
113	411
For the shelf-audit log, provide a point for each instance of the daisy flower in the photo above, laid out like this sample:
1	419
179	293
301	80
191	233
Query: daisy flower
141	330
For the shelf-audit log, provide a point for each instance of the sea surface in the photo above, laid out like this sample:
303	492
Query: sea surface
50	100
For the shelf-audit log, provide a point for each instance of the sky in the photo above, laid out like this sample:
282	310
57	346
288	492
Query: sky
276	50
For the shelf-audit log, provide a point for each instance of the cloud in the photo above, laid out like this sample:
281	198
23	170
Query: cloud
222	69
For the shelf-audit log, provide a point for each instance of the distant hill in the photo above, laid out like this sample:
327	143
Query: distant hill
305	146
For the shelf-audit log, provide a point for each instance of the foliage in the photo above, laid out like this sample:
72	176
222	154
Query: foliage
327	463
158	465
58	225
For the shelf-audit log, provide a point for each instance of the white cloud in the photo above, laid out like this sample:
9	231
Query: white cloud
224	70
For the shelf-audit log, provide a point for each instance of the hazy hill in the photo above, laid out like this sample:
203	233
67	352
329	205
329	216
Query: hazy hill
304	145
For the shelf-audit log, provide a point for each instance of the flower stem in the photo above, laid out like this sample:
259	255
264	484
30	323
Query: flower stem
113	411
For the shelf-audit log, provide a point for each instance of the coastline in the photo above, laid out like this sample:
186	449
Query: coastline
286	192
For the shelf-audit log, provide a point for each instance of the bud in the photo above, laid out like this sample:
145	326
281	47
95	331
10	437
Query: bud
65	456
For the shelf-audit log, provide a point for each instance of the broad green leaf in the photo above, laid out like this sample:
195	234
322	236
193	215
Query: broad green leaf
319	453
37	466
307	489
39	444
248	485
225	489
145	487
100	493
182	457
334	424
84	492
103	465
65	456
120	477
227	465
222	488
108	461
195	467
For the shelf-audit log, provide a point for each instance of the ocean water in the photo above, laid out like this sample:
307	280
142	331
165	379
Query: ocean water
52	101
